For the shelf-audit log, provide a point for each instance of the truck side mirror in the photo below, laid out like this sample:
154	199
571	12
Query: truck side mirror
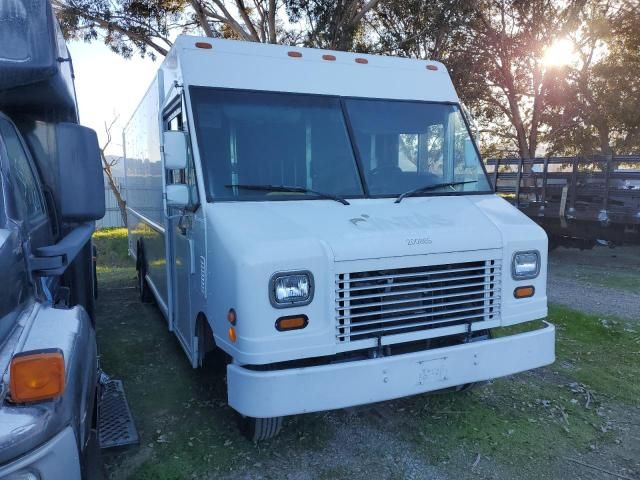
178	195
175	150
80	177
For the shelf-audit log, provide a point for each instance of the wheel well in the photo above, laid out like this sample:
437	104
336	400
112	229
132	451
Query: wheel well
206	342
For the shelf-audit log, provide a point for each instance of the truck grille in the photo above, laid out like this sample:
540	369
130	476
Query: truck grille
389	302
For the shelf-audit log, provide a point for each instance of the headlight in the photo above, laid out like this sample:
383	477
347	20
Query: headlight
525	265
291	289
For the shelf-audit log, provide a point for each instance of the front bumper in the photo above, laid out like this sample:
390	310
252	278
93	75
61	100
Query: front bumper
56	459
264	394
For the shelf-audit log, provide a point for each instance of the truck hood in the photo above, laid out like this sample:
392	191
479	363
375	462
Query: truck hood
368	228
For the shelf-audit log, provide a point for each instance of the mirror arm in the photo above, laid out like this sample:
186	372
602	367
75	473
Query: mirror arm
53	260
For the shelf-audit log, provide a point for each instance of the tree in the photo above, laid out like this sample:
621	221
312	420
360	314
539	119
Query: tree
418	29
598	110
506	46
331	24
107	166
494	51
147	26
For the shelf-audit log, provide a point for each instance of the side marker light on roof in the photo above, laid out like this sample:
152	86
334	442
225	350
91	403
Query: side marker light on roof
205	45
432	67
294	54
362	60
330	58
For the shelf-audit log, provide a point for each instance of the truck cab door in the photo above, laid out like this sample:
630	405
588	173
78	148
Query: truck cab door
180	223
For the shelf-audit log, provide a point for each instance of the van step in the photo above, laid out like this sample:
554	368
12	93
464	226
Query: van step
115	422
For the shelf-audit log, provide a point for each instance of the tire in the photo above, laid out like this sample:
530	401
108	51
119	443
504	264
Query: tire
146	296
259	429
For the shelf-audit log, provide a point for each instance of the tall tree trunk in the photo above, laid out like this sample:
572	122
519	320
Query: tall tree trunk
122	203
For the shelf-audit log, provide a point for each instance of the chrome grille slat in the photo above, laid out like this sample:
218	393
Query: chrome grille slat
411	325
420	290
421	315
377	303
408	309
414	300
423	282
416	274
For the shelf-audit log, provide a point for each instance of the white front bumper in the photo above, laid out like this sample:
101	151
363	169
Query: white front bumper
263	394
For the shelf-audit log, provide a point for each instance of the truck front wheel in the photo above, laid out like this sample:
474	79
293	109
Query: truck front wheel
258	429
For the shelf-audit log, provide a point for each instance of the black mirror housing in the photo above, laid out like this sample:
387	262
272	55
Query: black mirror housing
80	178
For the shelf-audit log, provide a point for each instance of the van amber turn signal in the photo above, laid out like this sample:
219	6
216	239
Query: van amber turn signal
294	322
524	292
37	375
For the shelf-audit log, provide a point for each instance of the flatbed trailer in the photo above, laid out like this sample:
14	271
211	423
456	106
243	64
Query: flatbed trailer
577	200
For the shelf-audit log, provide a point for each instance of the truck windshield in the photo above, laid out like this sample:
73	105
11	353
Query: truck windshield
263	138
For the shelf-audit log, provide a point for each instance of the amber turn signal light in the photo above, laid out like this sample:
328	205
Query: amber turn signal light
524	292
37	375
231	316
232	334
294	322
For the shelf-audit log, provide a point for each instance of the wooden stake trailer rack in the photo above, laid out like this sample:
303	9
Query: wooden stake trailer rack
577	200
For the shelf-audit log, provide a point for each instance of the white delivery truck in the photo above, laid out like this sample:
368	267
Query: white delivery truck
325	219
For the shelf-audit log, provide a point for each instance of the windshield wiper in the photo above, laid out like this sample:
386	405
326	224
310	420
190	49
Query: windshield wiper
426	188
289	188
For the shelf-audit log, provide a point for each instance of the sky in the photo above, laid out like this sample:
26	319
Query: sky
107	86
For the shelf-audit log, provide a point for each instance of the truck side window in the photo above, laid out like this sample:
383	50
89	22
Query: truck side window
27	191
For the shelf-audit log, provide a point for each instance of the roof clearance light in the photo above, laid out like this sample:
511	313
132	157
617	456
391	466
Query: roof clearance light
330	58
432	67
205	45
294	54
37	375
362	60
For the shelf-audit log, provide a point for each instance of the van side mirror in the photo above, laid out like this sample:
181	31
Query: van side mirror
175	150
178	195
80	178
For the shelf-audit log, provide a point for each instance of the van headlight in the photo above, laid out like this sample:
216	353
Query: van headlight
288	289
525	265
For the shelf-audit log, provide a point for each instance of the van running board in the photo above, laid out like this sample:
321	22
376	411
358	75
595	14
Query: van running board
115	422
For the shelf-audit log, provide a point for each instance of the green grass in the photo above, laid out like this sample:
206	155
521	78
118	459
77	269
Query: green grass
111	244
523	425
600	352
525	420
615	279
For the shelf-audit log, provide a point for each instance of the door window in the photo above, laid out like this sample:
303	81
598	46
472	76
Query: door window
174	122
26	188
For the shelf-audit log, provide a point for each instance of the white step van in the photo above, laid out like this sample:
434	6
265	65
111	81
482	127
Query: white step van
324	218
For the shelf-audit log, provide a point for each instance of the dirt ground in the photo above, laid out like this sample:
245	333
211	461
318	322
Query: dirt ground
579	418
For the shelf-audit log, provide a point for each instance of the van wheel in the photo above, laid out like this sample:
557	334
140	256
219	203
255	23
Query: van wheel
258	429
